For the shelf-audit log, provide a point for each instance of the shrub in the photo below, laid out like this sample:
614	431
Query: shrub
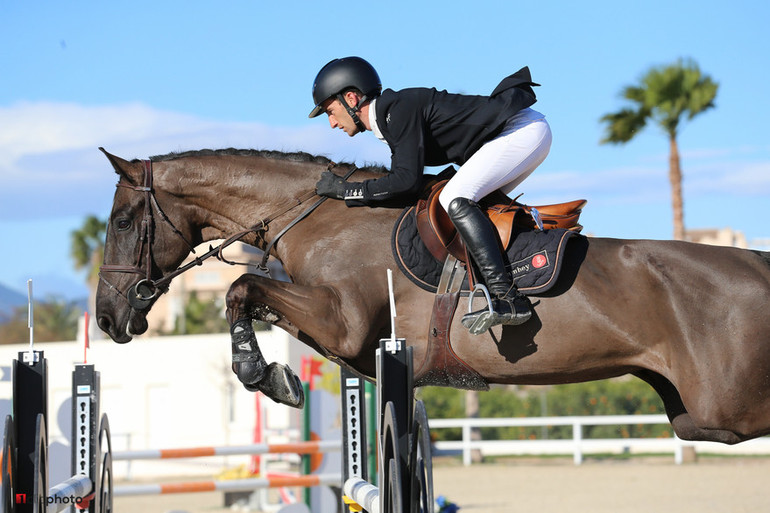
620	396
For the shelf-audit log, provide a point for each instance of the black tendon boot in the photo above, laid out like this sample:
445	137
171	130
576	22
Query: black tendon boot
509	306
248	363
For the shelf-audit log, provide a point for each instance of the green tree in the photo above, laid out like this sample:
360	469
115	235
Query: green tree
201	316
605	397
56	320
87	248
87	252
666	95
444	403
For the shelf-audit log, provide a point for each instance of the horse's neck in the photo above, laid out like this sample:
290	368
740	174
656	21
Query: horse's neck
231	196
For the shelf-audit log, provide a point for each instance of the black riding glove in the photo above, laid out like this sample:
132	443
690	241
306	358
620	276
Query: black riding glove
332	186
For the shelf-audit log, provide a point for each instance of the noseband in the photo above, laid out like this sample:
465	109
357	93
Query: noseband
141	295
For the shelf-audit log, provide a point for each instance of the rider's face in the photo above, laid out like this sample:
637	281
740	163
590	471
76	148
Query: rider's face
339	117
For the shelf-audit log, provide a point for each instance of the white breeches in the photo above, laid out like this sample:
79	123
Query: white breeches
503	162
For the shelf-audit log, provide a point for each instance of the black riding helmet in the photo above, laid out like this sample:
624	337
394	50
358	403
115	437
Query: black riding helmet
340	75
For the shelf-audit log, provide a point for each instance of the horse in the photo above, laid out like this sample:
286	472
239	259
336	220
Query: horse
689	319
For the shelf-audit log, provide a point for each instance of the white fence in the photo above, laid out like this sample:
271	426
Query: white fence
579	446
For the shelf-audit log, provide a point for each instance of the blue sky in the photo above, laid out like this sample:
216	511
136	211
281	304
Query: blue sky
145	78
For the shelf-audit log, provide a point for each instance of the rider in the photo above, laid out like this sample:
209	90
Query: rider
497	141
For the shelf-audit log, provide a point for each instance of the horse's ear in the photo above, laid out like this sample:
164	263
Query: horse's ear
131	171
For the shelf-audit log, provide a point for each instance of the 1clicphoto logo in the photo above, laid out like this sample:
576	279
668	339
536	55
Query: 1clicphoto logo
21	498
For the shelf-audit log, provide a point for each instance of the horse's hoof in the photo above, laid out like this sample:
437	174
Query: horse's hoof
282	386
248	363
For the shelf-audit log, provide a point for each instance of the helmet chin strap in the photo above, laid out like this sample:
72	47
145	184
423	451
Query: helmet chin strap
353	111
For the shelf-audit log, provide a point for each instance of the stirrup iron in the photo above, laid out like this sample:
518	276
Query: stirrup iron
483	288
482	320
485	320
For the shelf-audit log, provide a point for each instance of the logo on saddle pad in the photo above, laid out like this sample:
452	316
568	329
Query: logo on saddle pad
540	260
537	261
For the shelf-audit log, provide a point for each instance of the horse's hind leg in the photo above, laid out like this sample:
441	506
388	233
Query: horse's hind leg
682	422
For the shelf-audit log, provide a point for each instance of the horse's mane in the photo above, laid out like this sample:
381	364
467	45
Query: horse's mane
298	156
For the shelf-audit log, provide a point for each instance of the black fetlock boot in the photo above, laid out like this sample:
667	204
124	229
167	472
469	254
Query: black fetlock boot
276	381
248	363
509	306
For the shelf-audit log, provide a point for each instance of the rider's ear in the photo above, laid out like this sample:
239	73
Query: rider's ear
130	171
353	98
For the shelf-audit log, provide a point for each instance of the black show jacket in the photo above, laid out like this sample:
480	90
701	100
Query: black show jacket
424	126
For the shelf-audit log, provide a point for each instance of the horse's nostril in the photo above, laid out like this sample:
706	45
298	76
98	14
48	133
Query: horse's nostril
104	323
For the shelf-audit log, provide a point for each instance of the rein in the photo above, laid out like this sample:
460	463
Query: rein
141	294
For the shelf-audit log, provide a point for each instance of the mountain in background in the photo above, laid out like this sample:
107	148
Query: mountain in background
9	300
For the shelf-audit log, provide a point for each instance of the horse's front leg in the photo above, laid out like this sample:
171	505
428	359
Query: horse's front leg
290	306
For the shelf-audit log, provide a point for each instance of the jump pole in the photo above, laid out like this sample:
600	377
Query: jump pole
229	485
86	444
30	402
25	485
394	387
316	447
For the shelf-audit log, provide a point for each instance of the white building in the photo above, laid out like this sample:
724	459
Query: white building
163	392
718	237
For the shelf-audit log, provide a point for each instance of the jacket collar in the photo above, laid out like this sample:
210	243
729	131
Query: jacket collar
373	121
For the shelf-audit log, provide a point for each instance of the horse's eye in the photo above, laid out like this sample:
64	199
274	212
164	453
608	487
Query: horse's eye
123	224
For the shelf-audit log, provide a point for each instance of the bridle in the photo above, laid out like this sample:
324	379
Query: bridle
141	295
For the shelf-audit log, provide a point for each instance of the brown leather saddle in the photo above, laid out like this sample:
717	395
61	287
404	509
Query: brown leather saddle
441	238
441	364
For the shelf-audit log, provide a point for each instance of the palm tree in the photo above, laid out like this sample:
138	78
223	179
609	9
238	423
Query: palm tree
88	247
87	252
665	95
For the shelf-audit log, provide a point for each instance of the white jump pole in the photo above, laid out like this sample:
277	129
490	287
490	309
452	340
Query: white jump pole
30	357
67	493
364	493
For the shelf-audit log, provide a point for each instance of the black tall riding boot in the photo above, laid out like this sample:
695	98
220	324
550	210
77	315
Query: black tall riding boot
477	232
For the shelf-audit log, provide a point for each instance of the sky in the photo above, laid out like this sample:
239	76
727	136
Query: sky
145	78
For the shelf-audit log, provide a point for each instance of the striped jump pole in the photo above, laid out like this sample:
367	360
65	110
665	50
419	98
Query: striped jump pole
314	447
231	485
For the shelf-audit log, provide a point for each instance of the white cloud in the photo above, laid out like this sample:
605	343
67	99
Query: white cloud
736	177
612	185
39	128
51	166
30	129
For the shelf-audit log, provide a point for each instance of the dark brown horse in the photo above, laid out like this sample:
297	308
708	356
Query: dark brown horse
691	320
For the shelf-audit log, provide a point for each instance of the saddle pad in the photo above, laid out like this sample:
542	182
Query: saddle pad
411	254
535	256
